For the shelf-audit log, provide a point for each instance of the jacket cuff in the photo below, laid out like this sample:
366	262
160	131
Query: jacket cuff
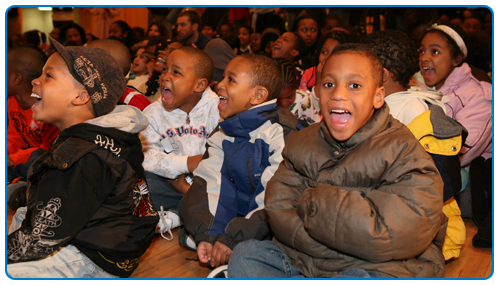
179	163
229	241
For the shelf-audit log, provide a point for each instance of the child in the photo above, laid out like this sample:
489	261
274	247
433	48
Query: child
400	60
289	46
255	44
244	33
26	138
88	212
120	53
139	69
325	48
179	125
24	135
225	203
162	49
425	115
346	201
299	102
468	101
209	30
307	28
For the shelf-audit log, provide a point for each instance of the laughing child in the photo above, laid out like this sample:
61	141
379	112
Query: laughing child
356	195
88	212
225	204
179	125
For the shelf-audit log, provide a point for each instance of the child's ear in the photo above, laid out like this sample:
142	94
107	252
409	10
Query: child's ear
378	99
385	75
457	60
82	98
15	78
201	85
295	53
260	96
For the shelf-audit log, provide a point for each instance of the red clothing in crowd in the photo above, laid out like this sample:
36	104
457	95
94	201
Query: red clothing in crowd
25	135
134	98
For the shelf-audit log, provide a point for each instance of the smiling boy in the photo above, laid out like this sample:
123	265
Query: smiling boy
179	125
225	203
87	191
356	196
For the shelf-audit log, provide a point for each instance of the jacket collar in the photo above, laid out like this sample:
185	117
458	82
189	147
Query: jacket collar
243	123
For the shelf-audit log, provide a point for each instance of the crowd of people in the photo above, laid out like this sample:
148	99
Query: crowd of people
285	142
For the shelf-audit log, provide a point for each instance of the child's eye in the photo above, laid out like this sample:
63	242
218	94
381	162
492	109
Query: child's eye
435	51
420	51
328	84
355	85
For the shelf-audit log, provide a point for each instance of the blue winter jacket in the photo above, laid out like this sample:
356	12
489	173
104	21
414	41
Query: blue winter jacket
226	200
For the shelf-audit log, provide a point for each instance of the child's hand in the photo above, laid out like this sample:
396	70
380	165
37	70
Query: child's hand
181	185
193	161
204	250
220	254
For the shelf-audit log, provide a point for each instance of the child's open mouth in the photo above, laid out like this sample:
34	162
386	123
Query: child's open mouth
166	95
222	102
427	72
276	48
36	96
339	116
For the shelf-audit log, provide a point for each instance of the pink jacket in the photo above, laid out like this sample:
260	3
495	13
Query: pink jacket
468	101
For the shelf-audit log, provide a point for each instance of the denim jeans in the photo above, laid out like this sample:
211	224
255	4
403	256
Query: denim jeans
67	262
162	193
264	259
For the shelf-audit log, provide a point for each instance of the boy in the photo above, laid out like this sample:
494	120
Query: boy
88	212
179	125
356	195
225	203
120	52
24	135
289	46
26	138
140	68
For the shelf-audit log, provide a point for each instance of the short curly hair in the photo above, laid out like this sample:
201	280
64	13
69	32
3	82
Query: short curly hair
265	72
397	53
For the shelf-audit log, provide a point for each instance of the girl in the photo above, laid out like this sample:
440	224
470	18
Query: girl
244	33
74	33
308	29
468	100
121	31
157	29
325	47
299	102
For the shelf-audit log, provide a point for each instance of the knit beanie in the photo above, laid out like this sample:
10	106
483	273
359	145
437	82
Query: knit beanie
98	71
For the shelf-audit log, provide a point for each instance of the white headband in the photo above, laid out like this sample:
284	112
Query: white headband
454	35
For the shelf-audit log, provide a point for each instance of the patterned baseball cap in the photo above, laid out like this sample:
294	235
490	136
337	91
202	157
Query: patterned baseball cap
98	71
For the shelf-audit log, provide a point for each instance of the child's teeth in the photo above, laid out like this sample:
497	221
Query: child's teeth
35	96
